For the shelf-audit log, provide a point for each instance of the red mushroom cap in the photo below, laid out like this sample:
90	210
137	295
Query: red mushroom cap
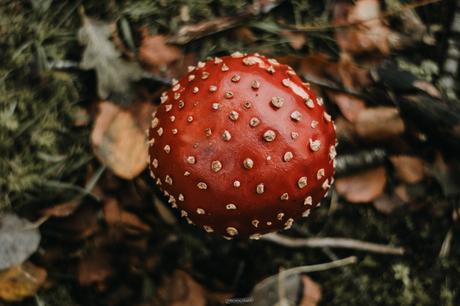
242	146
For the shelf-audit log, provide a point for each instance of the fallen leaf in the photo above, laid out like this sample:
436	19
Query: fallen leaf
296	40
319	66
360	27
94	268
345	130
83	223
402	193
350	106
362	187
311	294
115	215
119	140
446	173
20	282
188	33
115	76
428	88
163	211
156	51
244	34
379	123
410	169
351	75
386	204
62	210
182	290
19	239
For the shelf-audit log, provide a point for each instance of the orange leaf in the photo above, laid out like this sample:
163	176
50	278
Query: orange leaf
362	187
349	105
379	123
311	292
296	40
409	168
20	282
364	30
155	51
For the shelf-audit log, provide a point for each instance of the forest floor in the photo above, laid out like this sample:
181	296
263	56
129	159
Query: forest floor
82	223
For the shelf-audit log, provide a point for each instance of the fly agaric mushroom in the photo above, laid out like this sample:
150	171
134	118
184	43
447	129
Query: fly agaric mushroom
241	146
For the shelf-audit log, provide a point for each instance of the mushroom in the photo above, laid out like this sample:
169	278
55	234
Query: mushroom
249	149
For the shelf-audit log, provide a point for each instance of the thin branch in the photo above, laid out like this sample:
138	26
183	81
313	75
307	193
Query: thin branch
321	267
344	243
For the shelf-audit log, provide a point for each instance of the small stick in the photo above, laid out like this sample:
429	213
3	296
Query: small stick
344	243
321	267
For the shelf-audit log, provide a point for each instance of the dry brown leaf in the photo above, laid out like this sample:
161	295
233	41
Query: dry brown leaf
410	169
362	187
119	140
182	290
364	30
345	129
155	51
353	76
115	215
379	123
386	204
319	66
296	40
244	34
428	88
94	269
402	193
311	292
62	210
163	211
80	225
20	282
349	105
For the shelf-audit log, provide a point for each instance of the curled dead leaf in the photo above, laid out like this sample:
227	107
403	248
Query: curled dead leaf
20	282
350	106
386	204
156	51
119	140
115	215
379	123
360	27
410	169
362	187
182	290
311	294
62	210
94	269
296	40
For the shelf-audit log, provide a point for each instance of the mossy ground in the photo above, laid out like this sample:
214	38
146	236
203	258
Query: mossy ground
44	156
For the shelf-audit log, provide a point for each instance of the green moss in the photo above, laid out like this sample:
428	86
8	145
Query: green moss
37	139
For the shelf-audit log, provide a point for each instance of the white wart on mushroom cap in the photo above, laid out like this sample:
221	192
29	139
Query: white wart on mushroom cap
248	145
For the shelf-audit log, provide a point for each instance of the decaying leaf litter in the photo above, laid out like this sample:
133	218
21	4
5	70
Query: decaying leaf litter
79	78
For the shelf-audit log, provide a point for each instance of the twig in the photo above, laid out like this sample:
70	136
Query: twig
344	243
274	280
331	27
192	32
321	267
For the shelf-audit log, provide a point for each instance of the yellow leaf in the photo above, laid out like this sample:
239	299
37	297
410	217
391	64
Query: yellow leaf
20	282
